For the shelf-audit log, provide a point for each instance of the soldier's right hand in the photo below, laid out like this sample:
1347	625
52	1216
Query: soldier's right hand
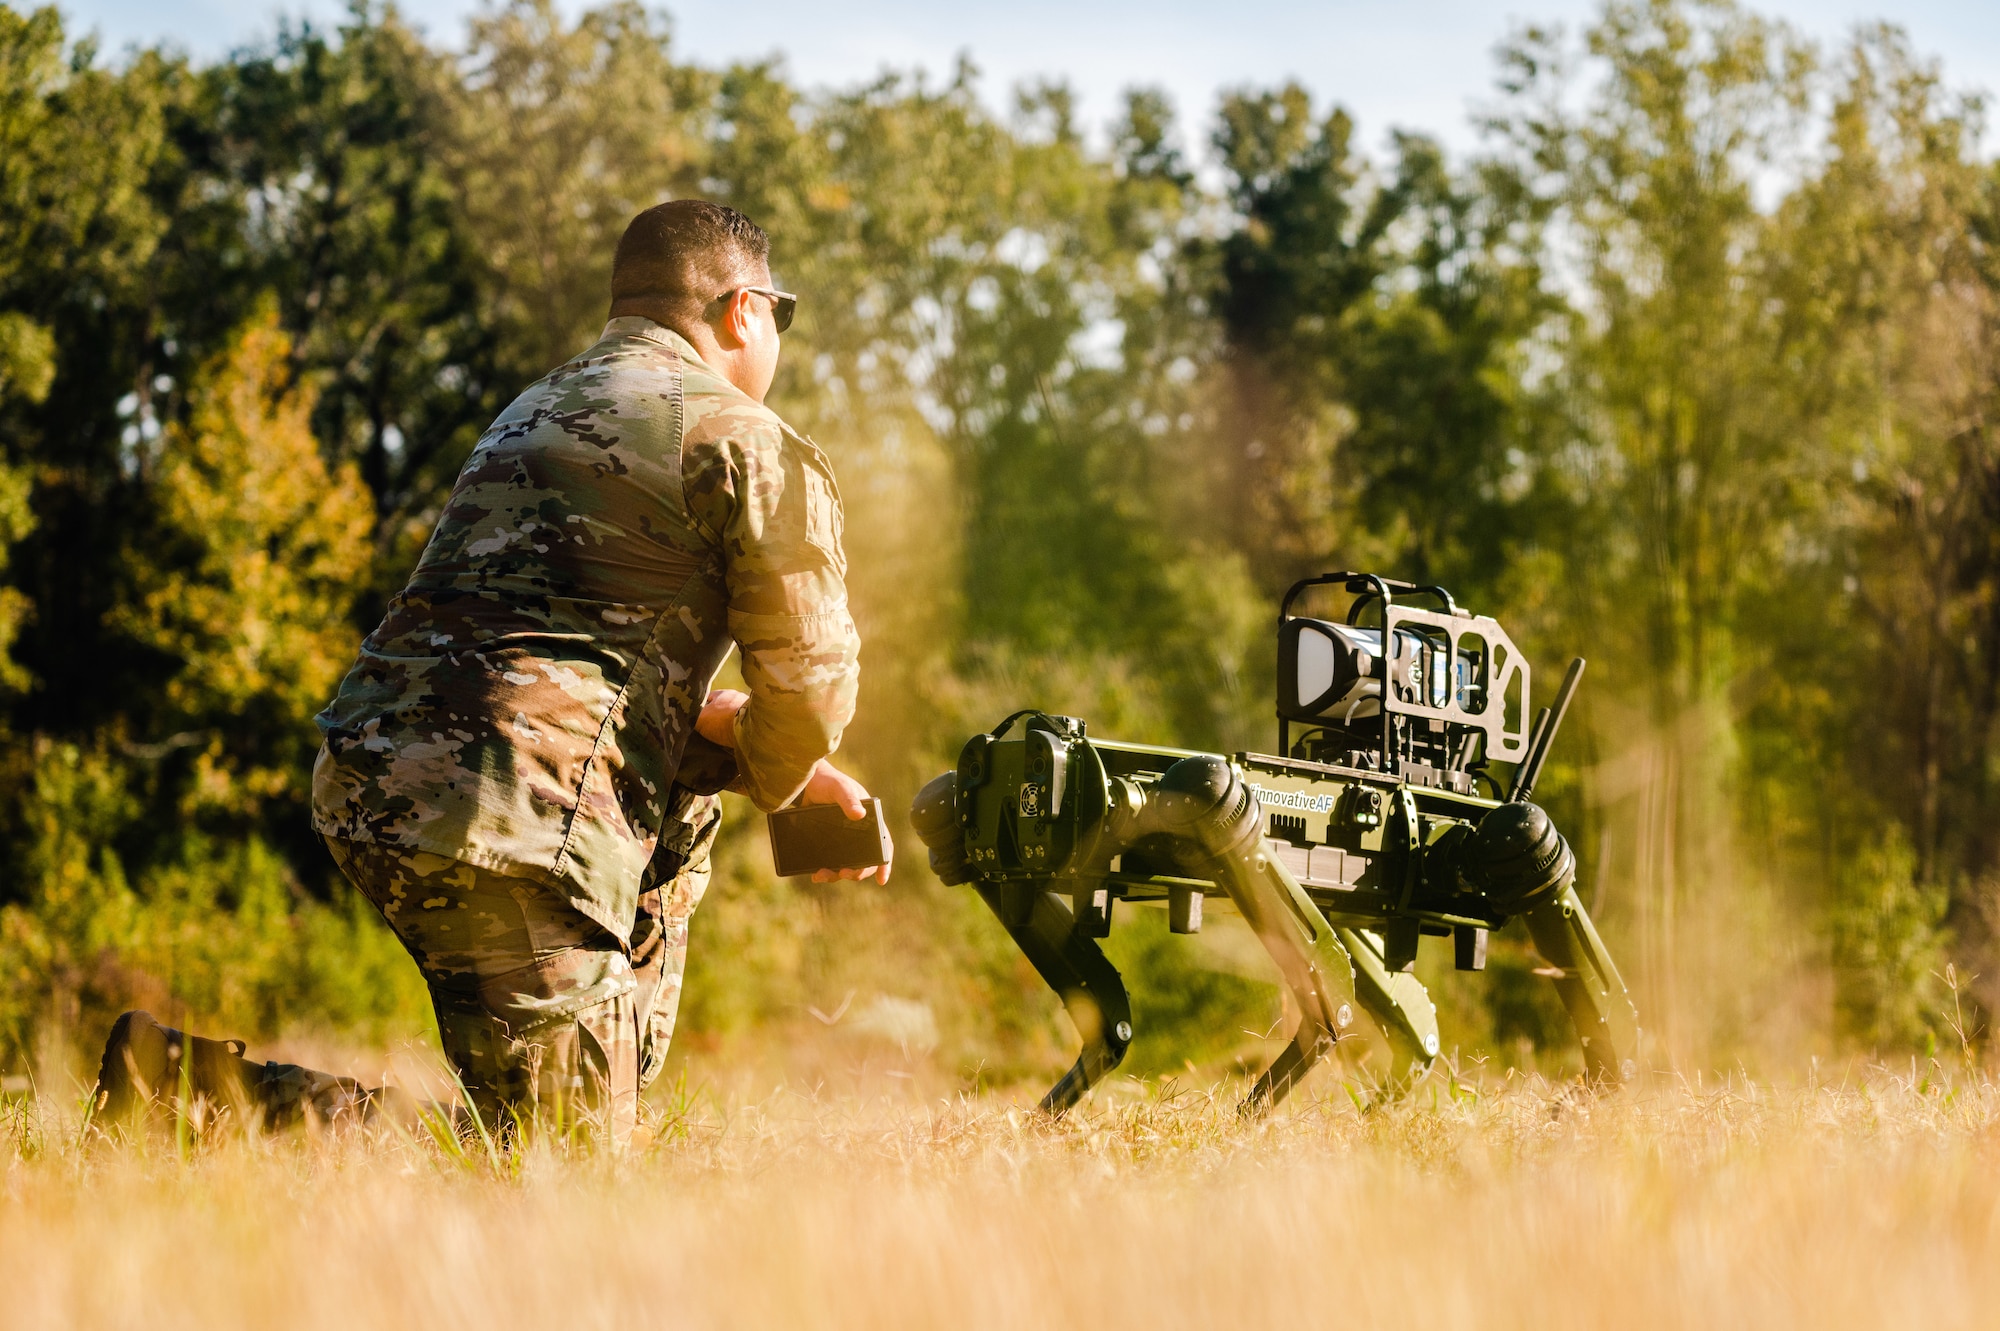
716	722
829	785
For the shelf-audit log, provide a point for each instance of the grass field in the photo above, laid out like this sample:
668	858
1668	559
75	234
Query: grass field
1872	1202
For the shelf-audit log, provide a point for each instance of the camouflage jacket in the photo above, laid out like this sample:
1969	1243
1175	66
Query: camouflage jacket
527	703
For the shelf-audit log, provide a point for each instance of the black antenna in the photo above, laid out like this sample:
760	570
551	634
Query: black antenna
1544	734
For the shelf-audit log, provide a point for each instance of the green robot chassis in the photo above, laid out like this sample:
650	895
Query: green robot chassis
1366	832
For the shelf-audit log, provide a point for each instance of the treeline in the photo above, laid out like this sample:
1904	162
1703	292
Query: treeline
1688	371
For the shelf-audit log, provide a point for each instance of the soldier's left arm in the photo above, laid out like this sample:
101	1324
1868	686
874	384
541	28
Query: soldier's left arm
769	498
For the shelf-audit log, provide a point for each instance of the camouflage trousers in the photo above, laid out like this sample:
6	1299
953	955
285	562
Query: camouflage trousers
543	1013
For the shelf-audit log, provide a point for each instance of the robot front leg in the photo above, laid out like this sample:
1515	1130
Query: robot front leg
1599	1006
1044	926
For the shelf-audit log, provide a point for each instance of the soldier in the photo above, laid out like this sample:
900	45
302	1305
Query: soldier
521	770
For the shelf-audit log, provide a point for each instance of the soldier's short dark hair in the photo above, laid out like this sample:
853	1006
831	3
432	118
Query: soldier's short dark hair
676	257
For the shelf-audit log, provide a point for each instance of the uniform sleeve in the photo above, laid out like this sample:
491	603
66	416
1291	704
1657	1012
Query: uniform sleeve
769	499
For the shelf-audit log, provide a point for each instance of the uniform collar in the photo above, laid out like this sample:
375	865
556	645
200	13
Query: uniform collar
638	325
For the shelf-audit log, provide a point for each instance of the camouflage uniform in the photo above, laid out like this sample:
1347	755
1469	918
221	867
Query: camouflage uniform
537	1005
510	770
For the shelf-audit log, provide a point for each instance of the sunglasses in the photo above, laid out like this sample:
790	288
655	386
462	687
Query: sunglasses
783	303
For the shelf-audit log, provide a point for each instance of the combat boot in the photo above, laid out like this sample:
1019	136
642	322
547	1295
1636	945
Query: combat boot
133	1070
151	1072
154	1073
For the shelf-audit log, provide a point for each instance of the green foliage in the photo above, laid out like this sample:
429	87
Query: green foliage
559	134
244	584
1888	948
1685	448
1690	371
221	932
72	904
319	181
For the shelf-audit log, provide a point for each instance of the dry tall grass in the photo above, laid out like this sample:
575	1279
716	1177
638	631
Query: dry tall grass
1871	1203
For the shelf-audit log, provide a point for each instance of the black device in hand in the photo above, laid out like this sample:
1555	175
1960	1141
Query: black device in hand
822	836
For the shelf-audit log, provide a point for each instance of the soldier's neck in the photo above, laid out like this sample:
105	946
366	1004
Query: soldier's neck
738	366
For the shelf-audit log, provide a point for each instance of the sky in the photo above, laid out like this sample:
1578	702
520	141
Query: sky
1418	64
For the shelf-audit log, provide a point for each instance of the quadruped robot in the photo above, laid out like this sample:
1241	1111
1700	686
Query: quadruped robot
1380	820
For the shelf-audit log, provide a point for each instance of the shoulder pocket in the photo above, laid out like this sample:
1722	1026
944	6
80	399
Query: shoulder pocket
825	522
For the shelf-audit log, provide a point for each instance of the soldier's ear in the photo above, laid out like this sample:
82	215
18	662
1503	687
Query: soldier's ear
733	324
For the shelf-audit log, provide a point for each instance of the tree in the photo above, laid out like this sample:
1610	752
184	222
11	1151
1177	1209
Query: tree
1884	266
246	581
559	134
321	177
1686	453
